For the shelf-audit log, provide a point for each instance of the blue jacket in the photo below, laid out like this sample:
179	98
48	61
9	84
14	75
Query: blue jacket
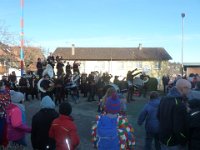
149	113
173	92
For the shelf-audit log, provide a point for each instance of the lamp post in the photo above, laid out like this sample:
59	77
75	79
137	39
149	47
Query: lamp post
182	15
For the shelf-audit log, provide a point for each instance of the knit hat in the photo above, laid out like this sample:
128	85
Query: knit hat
65	109
47	102
112	105
16	97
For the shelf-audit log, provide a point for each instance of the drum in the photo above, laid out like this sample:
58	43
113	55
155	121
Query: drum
137	82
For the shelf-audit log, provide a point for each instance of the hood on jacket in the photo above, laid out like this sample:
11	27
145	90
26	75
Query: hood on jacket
173	92
154	102
47	102
16	97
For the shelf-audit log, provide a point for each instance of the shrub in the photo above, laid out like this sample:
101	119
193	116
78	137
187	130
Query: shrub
152	84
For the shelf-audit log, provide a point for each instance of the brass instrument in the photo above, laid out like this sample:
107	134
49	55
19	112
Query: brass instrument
48	71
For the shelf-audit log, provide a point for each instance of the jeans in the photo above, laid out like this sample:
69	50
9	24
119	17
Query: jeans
148	141
176	147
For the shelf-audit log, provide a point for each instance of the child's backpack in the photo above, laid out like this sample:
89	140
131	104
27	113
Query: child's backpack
107	134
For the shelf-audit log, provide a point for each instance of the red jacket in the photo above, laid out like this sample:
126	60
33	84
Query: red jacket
64	128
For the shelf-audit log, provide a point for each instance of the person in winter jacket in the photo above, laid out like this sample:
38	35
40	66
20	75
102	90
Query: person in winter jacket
111	130
63	130
172	115
194	124
16	120
149	115
41	123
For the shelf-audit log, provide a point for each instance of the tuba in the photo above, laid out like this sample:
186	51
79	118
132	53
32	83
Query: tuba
48	71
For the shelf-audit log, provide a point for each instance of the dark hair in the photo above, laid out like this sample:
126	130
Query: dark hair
154	95
65	108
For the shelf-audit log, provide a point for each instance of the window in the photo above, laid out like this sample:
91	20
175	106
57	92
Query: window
157	65
139	64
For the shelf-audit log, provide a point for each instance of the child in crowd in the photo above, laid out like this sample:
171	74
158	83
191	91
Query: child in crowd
16	120
63	130
41	123
111	130
149	114
109	93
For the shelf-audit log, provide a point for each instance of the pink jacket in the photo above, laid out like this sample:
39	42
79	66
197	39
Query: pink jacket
16	124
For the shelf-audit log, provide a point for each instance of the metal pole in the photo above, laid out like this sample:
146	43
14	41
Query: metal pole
22	37
182	15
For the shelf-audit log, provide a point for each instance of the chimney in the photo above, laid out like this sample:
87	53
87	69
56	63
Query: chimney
140	46
73	49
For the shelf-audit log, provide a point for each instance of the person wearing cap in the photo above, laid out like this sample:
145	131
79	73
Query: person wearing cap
124	131
41	123
63	130
149	115
4	102
16	120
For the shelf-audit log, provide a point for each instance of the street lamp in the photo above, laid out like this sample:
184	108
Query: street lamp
182	15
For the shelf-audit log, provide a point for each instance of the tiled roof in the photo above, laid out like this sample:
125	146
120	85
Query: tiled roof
114	53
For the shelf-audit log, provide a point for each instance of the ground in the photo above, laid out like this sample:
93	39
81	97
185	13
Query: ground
84	116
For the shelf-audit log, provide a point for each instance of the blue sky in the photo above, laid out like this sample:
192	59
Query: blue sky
108	23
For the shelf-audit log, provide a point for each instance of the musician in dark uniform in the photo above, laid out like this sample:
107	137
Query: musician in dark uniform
68	68
144	89
84	84
59	67
76	67
24	86
46	85
59	90
33	86
91	87
12	78
129	79
39	67
51	60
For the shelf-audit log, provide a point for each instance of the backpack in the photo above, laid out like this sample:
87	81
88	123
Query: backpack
107	134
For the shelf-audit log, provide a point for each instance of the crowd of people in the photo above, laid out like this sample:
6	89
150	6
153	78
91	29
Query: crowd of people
171	119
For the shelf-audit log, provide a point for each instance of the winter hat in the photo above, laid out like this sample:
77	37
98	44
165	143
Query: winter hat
112	105
47	102
65	109
16	97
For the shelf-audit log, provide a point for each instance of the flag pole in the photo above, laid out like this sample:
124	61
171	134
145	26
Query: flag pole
22	37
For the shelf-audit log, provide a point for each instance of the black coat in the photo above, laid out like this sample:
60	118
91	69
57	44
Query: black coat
172	116
194	126
41	123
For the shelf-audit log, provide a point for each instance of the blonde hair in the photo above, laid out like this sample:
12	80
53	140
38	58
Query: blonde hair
109	92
